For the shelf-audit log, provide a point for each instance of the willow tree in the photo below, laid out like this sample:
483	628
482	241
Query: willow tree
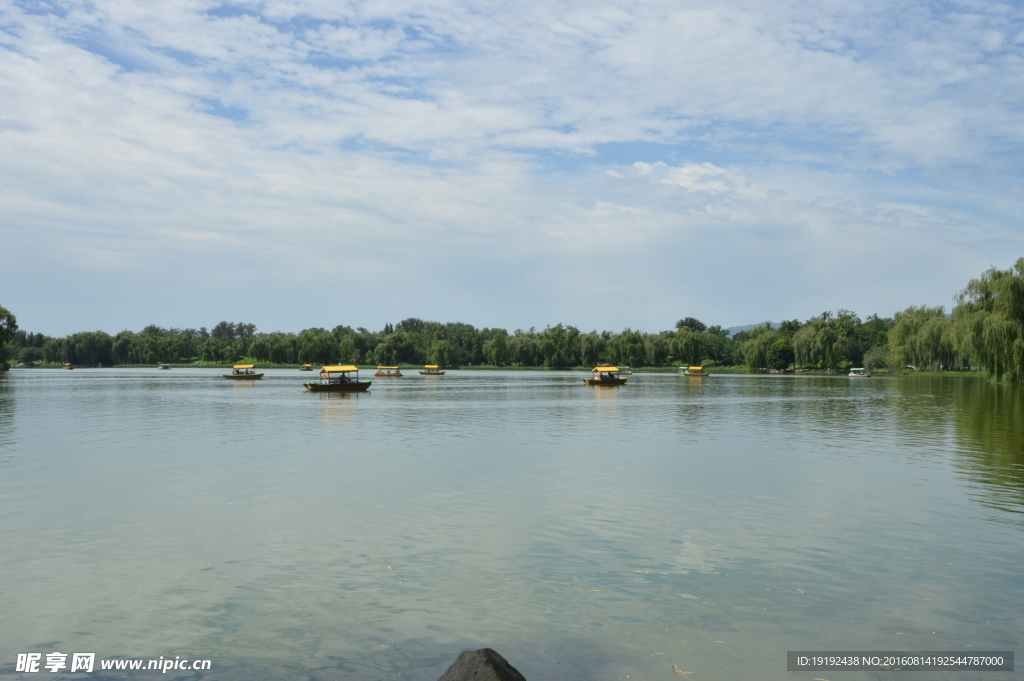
989	322
441	353
8	325
689	345
822	342
923	337
755	350
591	349
496	350
627	348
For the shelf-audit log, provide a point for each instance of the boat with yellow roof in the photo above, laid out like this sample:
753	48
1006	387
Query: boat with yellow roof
338	379
243	372
693	372
605	376
388	372
431	370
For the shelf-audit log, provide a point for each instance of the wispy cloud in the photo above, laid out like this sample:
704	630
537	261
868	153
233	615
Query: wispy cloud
504	163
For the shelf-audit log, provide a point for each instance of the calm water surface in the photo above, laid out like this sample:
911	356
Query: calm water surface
585	533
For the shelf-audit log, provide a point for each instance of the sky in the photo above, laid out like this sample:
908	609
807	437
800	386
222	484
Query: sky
302	163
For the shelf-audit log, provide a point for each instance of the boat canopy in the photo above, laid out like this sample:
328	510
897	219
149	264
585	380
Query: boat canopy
696	368
430	366
387	367
606	369
339	369
244	366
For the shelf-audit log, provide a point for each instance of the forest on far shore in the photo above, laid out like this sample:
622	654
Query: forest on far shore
985	329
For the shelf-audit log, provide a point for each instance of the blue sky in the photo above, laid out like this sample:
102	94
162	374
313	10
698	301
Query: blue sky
604	164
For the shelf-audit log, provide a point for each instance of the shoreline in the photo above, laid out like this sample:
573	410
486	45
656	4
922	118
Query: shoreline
671	370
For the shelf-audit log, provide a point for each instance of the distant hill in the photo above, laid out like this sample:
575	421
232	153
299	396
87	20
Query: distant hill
733	330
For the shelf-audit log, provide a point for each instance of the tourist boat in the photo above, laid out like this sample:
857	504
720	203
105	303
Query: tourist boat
306	367
338	379
69	366
693	371
432	370
625	371
244	372
859	372
162	366
605	376
388	372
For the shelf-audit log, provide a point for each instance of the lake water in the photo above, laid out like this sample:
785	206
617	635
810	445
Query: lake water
584	533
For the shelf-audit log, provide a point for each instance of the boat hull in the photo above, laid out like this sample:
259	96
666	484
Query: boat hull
431	373
388	375
357	386
605	382
695	375
243	377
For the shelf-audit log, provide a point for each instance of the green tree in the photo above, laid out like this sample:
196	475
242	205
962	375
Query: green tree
441	353
780	354
394	349
755	350
523	350
691	323
8	325
689	346
495	350
627	348
923	337
317	346
989	322
592	346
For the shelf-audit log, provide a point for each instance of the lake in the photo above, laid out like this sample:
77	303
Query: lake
584	533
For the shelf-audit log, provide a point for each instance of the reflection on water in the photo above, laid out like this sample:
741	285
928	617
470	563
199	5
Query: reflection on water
7	404
339	409
583	532
989	423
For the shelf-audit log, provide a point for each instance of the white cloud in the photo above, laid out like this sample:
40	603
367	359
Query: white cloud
456	148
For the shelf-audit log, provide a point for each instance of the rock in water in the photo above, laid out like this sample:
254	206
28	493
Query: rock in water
481	665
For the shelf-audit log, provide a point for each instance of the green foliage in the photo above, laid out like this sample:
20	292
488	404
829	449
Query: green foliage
989	322
780	354
691	323
317	346
923	337
626	348
442	353
876	358
827	341
395	349
755	351
656	350
689	346
8	326
495	350
592	347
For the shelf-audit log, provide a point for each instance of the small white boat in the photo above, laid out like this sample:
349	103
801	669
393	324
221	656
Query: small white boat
697	372
625	371
165	367
859	372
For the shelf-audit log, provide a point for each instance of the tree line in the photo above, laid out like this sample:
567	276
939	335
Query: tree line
985	329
